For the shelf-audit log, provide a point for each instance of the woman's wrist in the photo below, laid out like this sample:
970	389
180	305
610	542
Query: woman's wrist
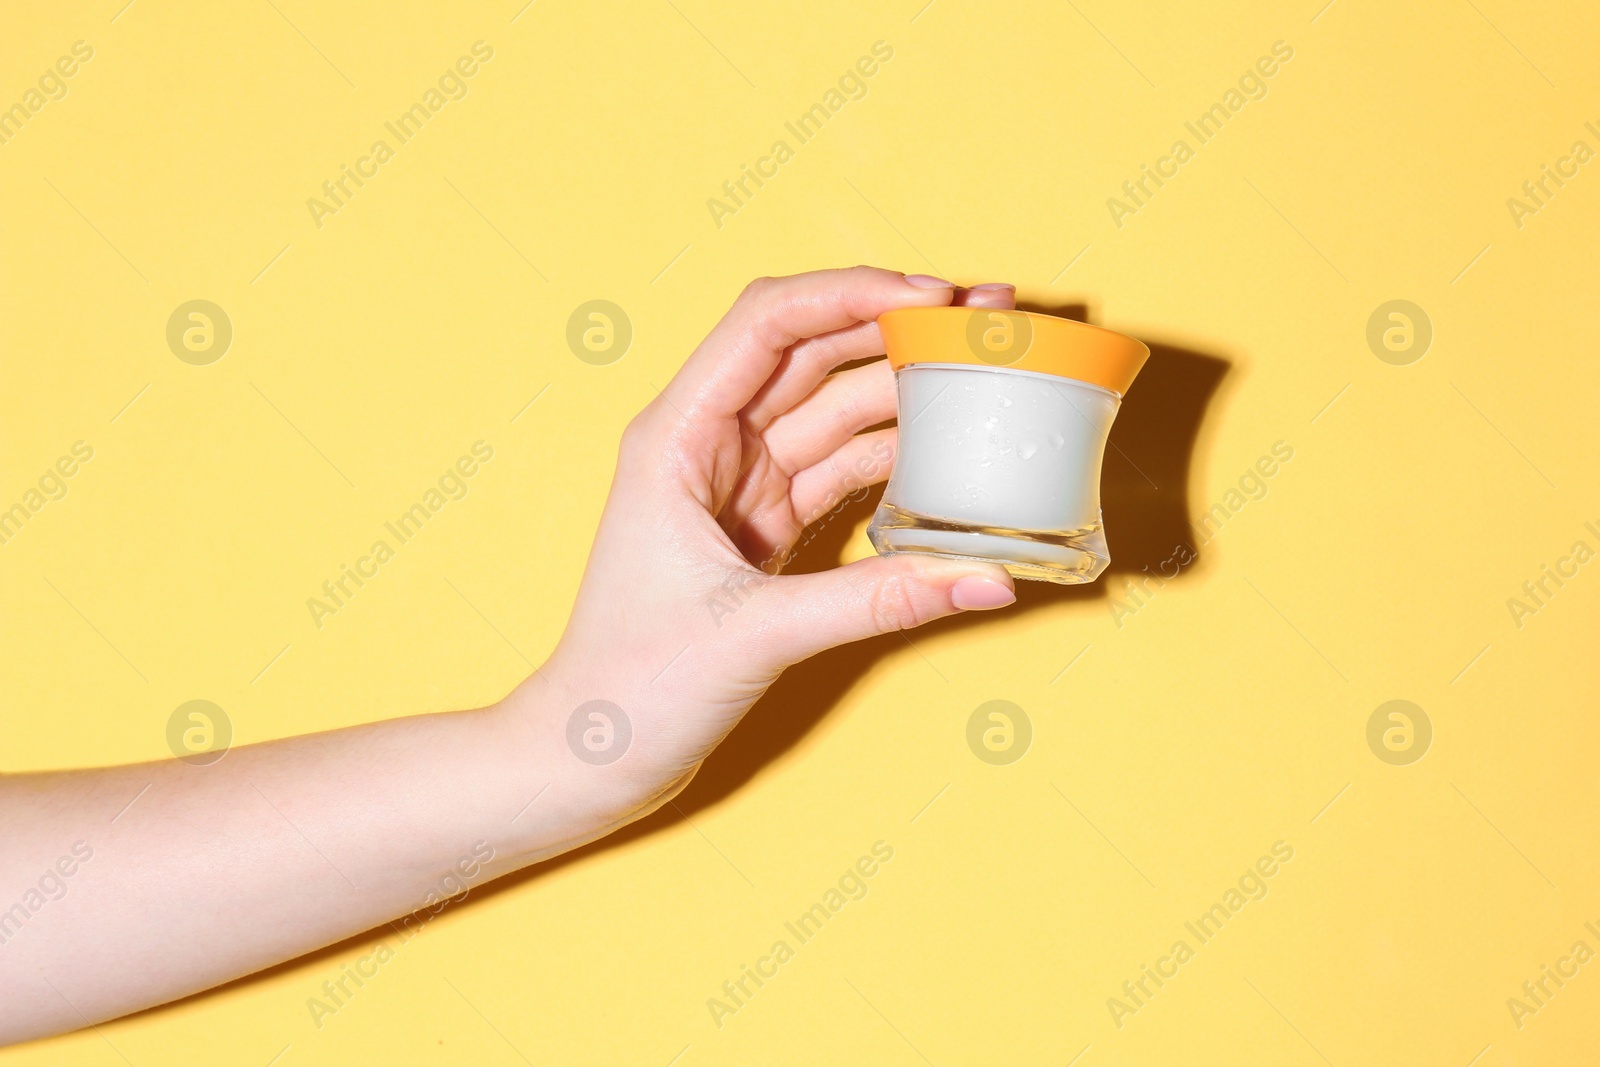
576	773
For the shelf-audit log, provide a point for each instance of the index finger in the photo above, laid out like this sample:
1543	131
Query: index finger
735	360
808	363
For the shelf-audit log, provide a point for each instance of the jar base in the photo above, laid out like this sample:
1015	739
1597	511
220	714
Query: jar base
1066	557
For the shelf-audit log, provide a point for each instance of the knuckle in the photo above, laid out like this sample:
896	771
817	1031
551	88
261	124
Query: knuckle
641	437
851	413
759	290
864	274
895	604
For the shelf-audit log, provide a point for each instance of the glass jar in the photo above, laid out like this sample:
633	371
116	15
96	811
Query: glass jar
1004	417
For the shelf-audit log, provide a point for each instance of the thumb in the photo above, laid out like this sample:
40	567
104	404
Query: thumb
877	595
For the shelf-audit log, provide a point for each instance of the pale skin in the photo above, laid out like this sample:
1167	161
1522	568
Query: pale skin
284	847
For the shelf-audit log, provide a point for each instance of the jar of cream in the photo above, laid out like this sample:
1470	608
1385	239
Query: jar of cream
1003	423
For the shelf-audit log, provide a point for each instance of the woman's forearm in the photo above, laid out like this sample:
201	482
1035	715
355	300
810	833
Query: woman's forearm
130	886
125	887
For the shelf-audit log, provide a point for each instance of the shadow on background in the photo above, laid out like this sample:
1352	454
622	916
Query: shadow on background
1144	495
1145	500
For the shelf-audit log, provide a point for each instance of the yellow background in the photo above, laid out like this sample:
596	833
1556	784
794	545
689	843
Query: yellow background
1223	716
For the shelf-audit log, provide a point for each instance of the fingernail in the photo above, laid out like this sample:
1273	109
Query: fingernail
928	281
996	285
980	594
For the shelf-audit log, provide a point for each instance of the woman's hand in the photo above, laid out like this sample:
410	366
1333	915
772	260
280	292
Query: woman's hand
681	621
201	874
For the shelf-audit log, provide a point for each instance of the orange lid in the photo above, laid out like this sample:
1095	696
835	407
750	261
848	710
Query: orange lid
1020	340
